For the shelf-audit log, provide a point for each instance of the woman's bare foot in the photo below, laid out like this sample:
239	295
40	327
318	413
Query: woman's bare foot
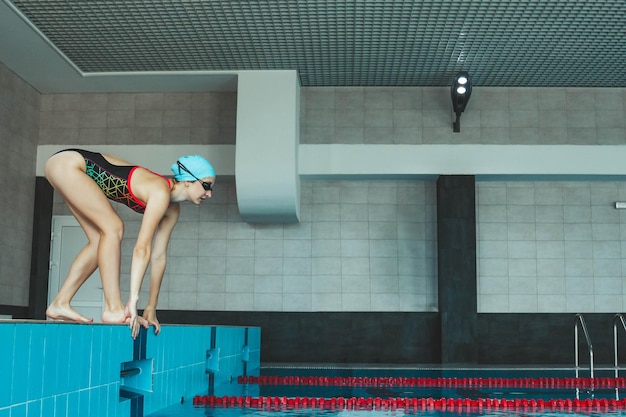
114	316
65	312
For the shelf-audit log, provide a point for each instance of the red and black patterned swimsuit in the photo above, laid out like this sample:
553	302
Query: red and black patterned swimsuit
113	180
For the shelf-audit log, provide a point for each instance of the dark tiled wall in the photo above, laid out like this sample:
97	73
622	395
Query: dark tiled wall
543	339
42	225
456	254
19	125
17	312
333	337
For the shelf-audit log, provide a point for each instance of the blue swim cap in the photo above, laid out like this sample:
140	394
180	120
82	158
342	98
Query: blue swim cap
196	165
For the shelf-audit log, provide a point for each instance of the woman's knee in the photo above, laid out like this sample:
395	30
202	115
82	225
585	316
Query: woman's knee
114	229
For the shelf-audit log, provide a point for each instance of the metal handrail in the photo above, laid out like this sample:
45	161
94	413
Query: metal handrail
618	317
580	321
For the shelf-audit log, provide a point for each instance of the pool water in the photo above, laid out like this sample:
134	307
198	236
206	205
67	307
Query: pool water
391	389
188	410
274	396
442	388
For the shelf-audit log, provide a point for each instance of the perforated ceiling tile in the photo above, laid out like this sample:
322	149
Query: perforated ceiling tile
348	42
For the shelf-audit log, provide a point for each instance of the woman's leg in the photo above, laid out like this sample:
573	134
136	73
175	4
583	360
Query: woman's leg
82	268
104	230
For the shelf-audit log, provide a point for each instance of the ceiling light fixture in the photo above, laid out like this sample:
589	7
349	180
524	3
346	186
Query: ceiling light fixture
461	91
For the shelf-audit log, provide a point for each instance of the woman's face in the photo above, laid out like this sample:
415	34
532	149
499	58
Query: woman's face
201	190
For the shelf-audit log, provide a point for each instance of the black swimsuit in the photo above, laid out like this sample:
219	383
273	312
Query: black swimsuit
113	180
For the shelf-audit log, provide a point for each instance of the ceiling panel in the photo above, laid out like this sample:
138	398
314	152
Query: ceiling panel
531	43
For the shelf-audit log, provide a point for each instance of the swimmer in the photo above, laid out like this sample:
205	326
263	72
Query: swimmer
86	180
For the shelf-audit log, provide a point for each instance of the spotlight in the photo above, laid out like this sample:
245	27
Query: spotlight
461	91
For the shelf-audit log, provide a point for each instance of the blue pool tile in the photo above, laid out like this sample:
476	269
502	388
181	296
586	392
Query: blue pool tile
159	390
99	400
47	406
108	373
181	348
7	335
121	344
202	338
80	356
19	410
84	361
191	343
168	352
60	406
5	412
176	391
84	403
33	408
154	348
76	361
64	340
19	386
73	404
73	359
254	338
172	359
152	345
230	340
51	355
164	350
95	369
113	399
36	362
197	380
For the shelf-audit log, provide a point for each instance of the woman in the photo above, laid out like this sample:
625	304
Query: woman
85	180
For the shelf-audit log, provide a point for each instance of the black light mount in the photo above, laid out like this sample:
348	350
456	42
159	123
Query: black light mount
461	91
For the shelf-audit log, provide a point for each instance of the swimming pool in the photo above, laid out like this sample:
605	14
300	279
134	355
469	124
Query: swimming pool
347	391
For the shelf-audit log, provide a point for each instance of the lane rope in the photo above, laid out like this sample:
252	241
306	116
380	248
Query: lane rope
581	383
415	404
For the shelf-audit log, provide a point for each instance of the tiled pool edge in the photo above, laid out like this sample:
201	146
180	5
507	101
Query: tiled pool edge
53	368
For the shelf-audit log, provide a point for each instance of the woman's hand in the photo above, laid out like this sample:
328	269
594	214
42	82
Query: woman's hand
149	316
133	320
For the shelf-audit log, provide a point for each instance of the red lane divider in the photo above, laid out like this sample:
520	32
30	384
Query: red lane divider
448	404
437	382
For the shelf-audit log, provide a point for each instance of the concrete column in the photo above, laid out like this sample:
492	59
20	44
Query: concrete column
266	152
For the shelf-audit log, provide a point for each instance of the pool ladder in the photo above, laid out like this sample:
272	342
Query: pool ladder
618	321
580	324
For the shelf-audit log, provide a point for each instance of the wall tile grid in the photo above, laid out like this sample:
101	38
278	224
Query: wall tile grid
494	115
551	247
181	362
19	121
360	246
179	366
220	263
138	118
62	369
73	369
231	341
